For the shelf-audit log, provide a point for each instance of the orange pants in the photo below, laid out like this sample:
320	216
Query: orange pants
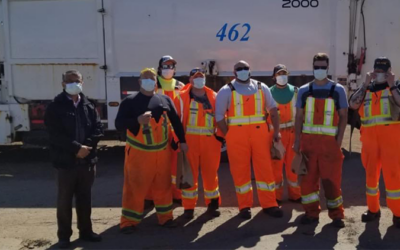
380	150
246	144
204	152
146	171
325	161
277	166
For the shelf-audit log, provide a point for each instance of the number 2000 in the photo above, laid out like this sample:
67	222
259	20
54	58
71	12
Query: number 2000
300	3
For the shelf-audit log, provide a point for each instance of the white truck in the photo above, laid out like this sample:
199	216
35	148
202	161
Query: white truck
110	41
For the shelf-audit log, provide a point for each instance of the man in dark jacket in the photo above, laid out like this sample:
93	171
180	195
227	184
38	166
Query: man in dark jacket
75	129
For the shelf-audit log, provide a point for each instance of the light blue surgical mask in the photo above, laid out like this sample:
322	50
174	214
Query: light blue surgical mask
148	84
74	88
243	75
199	83
320	74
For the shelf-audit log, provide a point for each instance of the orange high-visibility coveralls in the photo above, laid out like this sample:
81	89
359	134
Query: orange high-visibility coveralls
176	193
324	155
147	167
380	137
287	114
247	141
204	148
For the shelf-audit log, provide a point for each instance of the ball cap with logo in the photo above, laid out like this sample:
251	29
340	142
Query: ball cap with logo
166	59
278	68
382	63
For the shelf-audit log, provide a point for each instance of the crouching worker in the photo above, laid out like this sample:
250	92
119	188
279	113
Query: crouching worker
146	117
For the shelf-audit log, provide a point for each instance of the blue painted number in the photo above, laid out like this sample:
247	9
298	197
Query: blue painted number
233	33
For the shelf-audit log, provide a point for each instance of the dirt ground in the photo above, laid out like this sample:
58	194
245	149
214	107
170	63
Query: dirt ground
28	220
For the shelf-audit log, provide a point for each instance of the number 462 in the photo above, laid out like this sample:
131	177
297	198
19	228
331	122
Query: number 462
233	34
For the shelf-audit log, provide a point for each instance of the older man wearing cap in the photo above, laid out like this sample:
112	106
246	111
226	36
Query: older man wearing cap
196	108
146	117
376	101
245	102
285	95
167	85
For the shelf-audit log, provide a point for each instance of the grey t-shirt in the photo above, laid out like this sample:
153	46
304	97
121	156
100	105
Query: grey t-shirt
322	92
224	96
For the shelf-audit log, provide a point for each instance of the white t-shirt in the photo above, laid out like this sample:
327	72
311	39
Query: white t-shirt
224	96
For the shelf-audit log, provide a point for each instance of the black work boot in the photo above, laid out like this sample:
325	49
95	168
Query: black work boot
213	208
339	223
92	237
276	212
188	214
396	221
245	213
148	204
295	201
306	220
63	244
370	216
170	224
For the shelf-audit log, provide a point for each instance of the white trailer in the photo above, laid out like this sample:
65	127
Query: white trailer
110	41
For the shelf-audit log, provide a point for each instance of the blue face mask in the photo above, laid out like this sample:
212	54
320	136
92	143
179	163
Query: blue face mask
243	75
148	84
74	88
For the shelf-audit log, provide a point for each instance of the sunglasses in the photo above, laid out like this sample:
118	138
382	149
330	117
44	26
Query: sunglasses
320	67
168	66
194	71
242	68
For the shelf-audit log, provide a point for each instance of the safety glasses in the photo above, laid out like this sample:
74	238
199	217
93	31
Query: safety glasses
242	68
320	67
168	66
194	71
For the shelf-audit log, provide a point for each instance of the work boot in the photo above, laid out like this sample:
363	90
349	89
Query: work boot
128	230
276	212
306	220
295	201
177	201
92	237
370	216
245	213
170	224
396	221
213	208
188	214
148	204
279	202
63	244
339	223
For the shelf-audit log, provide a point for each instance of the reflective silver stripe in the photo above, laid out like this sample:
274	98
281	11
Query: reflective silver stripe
258	102
181	103
244	189
265	186
245	120
320	130
372	191
310	198
393	194
385	102
283	125
237	98
376	120
293	184
334	203
367	105
193	113
310	110
146	131
189	194
199	131
157	147
329	111
211	194
293	106
279	185
209	121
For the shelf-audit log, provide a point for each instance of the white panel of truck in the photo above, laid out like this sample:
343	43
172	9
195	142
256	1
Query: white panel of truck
51	36
261	32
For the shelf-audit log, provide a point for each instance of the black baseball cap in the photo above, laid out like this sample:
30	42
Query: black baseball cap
195	71
382	63
166	59
279	68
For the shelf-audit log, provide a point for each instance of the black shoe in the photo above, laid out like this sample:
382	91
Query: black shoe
63	244
148	204
305	220
339	223
213	208
276	212
295	201
170	224
396	221
188	214
92	237
128	230
279	202
245	213
370	216
177	201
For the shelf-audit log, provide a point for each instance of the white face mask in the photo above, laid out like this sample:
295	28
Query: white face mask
199	83
148	84
167	73
243	75
74	88
282	80
320	74
380	77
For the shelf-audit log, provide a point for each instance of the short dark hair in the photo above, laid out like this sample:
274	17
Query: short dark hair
321	57
71	72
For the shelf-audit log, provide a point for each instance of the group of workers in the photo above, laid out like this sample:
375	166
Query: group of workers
167	116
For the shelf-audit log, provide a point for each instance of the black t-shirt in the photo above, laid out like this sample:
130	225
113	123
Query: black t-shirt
135	105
